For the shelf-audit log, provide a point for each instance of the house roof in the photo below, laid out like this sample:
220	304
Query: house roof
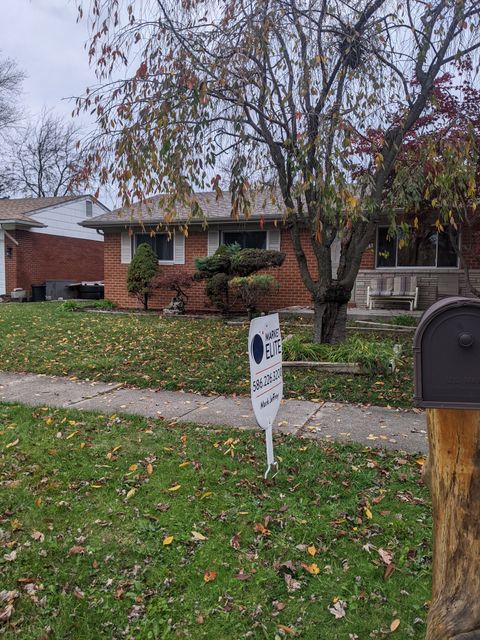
215	209
20	210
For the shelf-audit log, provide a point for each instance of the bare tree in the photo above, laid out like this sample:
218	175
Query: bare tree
45	158
278	89
11	79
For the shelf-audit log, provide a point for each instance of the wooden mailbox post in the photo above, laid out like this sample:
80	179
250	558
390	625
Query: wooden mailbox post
447	383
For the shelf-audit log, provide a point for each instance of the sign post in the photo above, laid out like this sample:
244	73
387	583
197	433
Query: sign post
447	383
266	376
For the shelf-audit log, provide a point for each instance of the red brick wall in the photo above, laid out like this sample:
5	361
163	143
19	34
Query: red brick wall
291	291
39	257
10	263
368	258
470	243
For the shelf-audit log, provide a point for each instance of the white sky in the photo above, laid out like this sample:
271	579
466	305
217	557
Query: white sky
48	44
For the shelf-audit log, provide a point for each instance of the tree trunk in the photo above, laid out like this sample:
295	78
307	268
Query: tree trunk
453	475
330	322
330	315
145	301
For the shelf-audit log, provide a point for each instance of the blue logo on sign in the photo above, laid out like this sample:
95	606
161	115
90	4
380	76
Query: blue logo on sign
257	348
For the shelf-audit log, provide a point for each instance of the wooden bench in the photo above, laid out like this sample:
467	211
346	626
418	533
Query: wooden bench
395	288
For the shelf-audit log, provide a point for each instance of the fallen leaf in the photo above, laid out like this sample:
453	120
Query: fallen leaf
260	528
15	525
12	444
174	488
6	613
168	540
286	629
395	624
76	550
386	556
198	536
149	469
389	569
312	550
210	576
235	541
38	536
337	609
241	575
131	493
133	467
292	584
10	557
311	568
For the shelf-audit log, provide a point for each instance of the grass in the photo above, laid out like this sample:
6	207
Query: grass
200	355
374	355
96	521
404	320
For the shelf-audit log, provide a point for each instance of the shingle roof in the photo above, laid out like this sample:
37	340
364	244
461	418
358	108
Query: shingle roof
16	209
216	209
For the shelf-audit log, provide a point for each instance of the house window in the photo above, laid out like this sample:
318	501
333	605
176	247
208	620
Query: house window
161	244
88	209
423	247
246	239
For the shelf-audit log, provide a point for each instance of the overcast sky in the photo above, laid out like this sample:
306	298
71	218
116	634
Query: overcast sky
48	44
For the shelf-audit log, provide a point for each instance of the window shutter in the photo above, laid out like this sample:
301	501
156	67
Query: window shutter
179	248
125	248
335	250
213	242
273	239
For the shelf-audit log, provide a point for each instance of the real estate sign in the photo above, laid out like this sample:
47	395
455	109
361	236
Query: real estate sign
266	377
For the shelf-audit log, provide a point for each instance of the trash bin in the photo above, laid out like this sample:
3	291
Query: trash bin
38	292
90	291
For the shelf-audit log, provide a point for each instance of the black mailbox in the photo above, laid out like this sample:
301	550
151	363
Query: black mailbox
446	349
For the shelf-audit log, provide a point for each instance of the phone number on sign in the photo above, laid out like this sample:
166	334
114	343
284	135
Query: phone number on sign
267	379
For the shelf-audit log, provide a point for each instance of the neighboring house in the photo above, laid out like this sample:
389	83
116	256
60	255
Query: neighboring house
40	239
124	229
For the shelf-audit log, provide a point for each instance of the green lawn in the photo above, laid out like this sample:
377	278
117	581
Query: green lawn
201	355
116	527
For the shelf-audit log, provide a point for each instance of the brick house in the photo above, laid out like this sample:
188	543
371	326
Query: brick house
40	239
124	229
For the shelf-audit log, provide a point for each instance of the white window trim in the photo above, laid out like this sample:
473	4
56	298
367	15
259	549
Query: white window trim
401	268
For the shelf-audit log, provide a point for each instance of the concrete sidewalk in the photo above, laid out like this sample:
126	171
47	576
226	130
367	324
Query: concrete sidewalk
372	426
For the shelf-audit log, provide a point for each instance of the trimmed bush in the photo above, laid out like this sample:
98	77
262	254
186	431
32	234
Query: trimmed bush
141	274
229	262
251	288
105	305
